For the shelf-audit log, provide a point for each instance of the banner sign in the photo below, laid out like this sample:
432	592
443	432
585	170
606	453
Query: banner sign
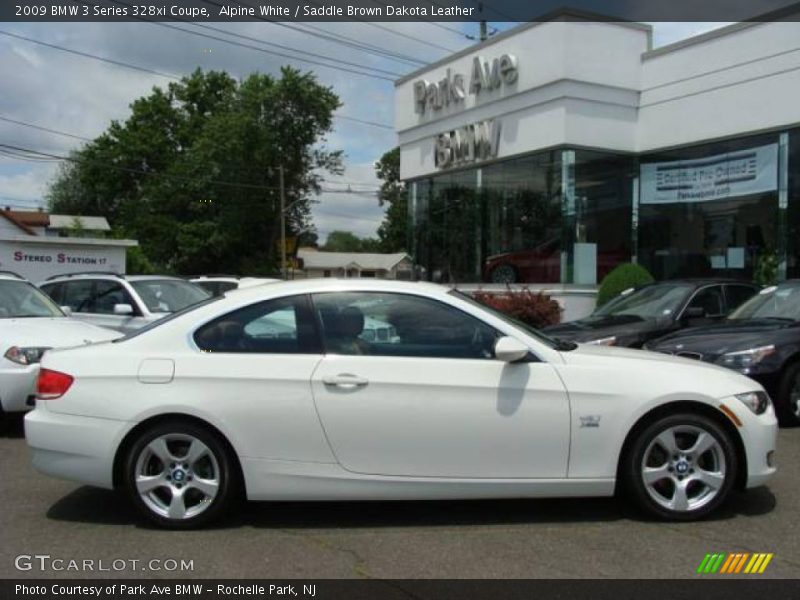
740	173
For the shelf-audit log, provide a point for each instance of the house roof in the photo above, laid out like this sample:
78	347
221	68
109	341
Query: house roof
68	222
313	259
26	219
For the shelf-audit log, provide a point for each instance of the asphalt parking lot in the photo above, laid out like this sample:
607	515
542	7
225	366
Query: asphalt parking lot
573	538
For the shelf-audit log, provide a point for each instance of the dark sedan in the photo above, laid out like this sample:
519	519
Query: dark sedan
639	315
761	339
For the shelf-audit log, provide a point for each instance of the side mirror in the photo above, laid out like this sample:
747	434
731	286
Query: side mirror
694	312
66	310
510	350
123	309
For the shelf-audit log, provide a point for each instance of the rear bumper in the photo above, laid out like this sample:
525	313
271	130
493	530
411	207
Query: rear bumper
17	384
73	447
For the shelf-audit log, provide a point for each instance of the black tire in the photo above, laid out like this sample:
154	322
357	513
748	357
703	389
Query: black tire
786	406
686	424
215	465
504	274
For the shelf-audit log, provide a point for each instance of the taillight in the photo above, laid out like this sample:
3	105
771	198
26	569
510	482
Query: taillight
52	384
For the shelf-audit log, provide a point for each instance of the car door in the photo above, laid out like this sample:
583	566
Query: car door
709	301
254	372
434	402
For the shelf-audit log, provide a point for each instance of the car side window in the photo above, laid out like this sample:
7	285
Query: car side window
710	300
387	324
737	295
78	295
54	290
278	326
108	294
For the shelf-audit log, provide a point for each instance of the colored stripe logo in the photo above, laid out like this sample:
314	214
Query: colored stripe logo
734	563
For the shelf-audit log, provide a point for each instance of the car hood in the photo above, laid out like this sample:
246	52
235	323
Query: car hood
599	326
671	375
728	337
55	332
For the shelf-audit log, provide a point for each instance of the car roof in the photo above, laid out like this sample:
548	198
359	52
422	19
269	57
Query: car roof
101	275
701	281
329	284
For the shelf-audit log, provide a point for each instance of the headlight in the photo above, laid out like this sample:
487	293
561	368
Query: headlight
25	356
755	401
745	358
606	341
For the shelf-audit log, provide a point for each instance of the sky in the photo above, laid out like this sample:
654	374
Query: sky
77	95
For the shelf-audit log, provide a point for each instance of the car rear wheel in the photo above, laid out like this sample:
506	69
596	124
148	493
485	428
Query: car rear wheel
787	403
681	467
180	475
504	274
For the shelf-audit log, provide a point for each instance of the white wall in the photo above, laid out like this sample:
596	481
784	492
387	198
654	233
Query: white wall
38	261
596	85
578	83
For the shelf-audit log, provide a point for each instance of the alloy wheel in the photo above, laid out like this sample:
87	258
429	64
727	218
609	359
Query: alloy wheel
177	476
794	396
683	468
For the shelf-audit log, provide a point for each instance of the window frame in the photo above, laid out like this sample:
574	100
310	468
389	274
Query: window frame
321	329
696	293
304	304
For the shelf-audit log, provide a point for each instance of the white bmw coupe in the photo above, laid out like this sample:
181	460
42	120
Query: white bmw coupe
274	393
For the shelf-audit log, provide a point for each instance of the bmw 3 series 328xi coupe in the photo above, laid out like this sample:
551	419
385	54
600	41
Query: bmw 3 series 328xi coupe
273	392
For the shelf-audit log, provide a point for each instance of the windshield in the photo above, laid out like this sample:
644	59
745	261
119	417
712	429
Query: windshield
653	301
20	299
781	302
168	295
510	320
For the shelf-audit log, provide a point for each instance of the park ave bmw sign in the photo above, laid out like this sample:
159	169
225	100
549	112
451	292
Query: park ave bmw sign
485	76
476	141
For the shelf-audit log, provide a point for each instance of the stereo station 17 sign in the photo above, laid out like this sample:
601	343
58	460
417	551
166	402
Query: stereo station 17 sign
741	173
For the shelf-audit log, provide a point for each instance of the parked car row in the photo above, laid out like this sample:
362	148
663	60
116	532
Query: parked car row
728	323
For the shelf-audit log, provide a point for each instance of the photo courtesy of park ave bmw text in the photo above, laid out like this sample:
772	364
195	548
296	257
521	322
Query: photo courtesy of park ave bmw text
399	298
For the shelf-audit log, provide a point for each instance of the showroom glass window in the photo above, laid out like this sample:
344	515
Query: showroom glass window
598	224
690	229
793	211
383	324
279	326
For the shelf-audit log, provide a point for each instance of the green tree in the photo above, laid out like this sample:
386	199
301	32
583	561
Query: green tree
193	173
346	241
393	231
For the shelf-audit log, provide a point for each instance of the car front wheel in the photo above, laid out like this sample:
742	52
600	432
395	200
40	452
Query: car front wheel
504	274
681	467
179	475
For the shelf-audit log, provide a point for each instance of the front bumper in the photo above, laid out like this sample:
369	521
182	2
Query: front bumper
72	447
17	384
759	435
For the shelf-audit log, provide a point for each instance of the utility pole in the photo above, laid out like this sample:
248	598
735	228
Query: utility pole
283	224
484	31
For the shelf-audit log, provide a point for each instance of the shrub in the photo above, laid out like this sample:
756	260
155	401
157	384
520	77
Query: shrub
620	279
532	308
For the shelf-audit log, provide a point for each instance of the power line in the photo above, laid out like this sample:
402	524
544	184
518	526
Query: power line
39	153
392	31
263	50
332	37
87	55
435	24
47	129
146	70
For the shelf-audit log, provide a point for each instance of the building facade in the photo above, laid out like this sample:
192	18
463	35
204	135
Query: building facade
38	245
318	263
559	149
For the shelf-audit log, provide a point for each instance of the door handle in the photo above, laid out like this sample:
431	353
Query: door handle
345	381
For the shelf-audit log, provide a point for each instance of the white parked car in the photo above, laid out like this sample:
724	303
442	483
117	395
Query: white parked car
122	302
30	324
466	403
217	285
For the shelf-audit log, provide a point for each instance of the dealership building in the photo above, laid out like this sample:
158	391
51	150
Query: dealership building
555	150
